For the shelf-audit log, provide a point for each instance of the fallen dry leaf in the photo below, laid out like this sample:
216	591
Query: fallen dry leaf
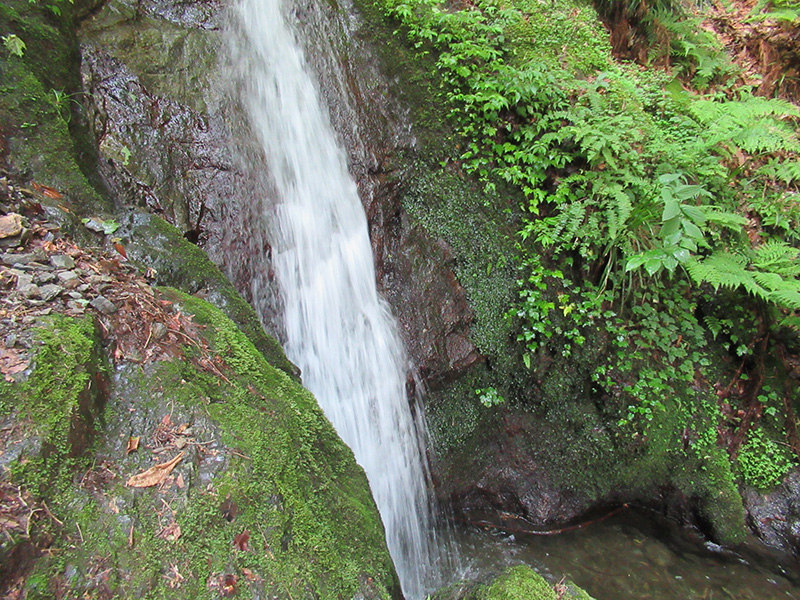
11	363
240	540
47	191
133	444
154	475
179	481
121	249
228	584
171	532
250	576
174	577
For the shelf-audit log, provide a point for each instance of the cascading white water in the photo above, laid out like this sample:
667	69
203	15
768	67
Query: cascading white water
339	331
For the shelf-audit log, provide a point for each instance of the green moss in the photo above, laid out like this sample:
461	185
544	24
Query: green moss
152	242
314	530
519	583
515	583
43	139
321	521
60	403
481	241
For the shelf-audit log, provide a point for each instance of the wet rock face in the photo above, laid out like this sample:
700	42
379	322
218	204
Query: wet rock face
414	271
775	517
506	477
169	135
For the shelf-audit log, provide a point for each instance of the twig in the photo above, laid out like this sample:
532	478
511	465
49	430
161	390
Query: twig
52	516
235	453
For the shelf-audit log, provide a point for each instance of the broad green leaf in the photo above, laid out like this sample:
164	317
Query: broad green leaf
672	209
694	213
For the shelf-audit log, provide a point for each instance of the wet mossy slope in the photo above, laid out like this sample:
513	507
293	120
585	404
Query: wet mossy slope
262	500
264	497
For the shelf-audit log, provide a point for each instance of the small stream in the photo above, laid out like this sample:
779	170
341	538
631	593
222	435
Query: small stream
632	556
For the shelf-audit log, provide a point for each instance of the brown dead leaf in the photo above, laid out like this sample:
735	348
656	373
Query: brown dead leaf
171	532
11	363
179	481
250	576
228	584
133	444
174	577
241	540
121	249
47	191
154	475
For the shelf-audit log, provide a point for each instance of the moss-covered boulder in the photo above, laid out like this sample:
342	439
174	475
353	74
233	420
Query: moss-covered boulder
211	473
515	583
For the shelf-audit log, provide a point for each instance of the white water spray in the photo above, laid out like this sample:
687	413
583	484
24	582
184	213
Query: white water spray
339	331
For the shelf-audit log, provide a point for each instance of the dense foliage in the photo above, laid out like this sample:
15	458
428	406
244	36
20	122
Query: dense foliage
661	204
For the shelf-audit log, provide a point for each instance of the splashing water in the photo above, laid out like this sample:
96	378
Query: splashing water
338	330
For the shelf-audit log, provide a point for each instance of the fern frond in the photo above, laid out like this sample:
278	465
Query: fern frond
721	269
777	257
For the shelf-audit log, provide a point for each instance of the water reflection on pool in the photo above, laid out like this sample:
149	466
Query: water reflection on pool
632	557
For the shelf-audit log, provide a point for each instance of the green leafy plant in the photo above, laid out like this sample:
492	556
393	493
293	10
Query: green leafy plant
489	397
14	45
762	462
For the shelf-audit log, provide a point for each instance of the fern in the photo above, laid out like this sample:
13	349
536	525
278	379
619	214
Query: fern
777	257
733	271
754	124
786	171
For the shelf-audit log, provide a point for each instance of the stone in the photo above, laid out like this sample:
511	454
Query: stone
11	225
11	340
45	277
76	307
50	291
24	280
67	276
25	258
29	290
103	305
62	261
158	330
75	295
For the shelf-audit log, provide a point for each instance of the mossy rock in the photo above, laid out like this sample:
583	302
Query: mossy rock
515	583
153	243
44	136
264	498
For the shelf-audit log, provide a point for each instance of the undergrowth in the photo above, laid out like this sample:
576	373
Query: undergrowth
647	194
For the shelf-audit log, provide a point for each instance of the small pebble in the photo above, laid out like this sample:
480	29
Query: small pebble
11	340
76	307
62	261
23	281
103	305
29	290
158	330
66	276
75	295
45	277
49	291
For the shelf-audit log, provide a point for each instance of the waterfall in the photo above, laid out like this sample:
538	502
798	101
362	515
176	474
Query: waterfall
338	329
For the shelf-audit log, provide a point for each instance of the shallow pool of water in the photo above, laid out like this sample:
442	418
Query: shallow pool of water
632	556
